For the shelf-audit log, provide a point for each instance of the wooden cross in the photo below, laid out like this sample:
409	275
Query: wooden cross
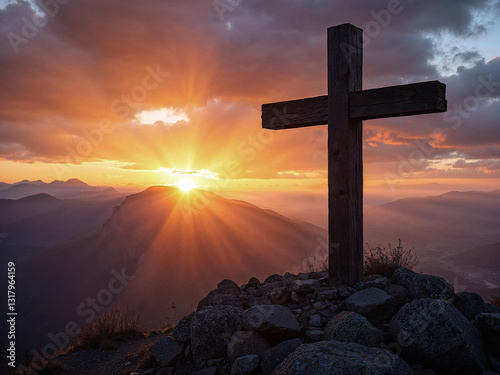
344	109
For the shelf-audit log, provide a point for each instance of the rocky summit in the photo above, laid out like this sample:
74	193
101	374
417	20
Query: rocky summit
300	324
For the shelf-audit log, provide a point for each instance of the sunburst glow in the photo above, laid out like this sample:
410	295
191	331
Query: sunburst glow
186	185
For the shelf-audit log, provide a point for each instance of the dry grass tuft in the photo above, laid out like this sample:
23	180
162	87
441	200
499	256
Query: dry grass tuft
379	261
108	328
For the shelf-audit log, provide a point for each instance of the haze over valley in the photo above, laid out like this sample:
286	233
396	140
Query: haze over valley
159	251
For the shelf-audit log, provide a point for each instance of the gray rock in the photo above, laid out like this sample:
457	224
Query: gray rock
328	295
349	326
182	331
303	287
223	300
432	332
206	371
280	296
489	325
188	354
273	278
246	365
314	335
211	330
244	343
167	351
271	358
320	305
252	283
469	304
489	308
266	289
398	294
225	287
423	286
380	282
315	321
274	321
359	286
340	358
345	291
371	302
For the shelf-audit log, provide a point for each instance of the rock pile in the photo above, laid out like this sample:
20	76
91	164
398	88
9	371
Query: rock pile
299	324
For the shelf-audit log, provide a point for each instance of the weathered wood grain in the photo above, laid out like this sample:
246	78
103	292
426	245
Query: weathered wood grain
394	101
345	163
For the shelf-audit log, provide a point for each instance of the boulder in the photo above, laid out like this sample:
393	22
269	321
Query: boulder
266	289
340	358
182	331
225	287
252	283
303	287
274	321
489	325
211	330
271	358
331	294
423	286
379	282
314	335
246	365
273	278
469	304
432	332
225	300
167	351
349	326
315	321
371	302
244	343
398	295
280	296
345	291
489	308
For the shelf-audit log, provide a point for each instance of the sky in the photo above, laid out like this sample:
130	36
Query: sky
157	92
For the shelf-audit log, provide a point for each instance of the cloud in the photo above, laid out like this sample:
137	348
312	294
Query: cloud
104	62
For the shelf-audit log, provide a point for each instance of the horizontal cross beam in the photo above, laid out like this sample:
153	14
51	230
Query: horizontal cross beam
393	101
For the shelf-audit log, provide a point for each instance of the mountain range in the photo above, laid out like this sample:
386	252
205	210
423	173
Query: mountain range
159	251
70	189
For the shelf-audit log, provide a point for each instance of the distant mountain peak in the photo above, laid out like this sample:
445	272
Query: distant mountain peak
37	182
72	181
42	197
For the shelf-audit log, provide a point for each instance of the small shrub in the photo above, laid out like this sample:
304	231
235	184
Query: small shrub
108	328
379	261
495	300
315	265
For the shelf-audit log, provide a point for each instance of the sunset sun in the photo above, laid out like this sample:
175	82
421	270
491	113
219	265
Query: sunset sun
186	185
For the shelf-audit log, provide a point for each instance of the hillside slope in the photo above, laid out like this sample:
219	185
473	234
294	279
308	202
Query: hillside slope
152	256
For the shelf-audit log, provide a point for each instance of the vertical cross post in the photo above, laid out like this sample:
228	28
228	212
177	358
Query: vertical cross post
344	109
345	165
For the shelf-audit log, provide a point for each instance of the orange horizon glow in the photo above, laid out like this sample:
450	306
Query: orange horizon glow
117	112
